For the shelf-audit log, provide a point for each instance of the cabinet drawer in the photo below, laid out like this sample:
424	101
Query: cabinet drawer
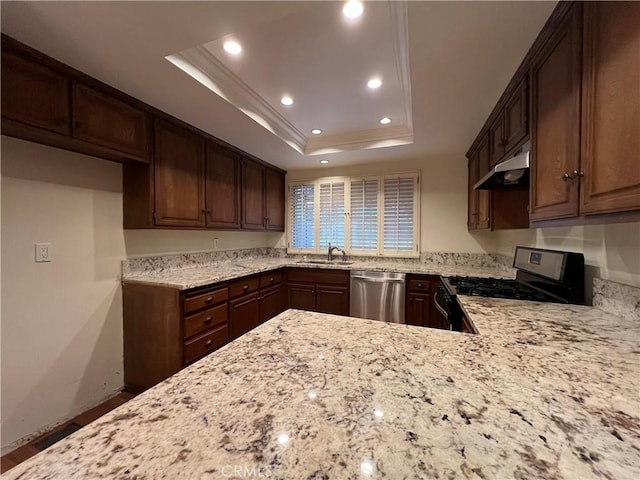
418	285
243	286
206	343
207	299
270	278
205	320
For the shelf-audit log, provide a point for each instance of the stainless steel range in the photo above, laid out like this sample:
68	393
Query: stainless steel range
542	276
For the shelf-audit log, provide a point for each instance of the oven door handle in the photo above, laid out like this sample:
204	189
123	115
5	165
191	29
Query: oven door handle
440	308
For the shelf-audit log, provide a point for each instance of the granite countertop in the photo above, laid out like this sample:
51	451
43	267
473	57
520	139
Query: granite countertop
544	391
198	276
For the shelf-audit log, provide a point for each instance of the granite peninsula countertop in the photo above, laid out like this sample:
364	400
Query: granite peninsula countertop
201	275
543	391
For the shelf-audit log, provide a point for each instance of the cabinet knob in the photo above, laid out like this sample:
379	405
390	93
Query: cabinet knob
420	285
208	300
245	287
271	280
208	319
208	343
573	175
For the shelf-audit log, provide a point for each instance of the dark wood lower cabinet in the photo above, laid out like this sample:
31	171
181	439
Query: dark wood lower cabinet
420	308
302	296
318	290
244	315
271	303
332	299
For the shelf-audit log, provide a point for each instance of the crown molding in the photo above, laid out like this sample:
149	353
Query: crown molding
204	67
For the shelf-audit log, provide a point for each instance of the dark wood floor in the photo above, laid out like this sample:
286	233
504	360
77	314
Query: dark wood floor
24	452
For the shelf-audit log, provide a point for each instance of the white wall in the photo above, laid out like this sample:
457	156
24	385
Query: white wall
61	321
443	195
611	251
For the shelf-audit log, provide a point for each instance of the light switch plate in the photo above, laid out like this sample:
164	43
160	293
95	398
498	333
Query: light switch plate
216	243
43	252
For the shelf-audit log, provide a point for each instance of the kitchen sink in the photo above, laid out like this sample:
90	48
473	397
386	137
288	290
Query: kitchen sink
325	262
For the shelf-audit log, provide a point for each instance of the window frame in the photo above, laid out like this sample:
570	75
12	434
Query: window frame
379	252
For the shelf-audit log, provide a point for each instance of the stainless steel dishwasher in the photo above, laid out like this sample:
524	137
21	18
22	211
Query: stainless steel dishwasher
377	296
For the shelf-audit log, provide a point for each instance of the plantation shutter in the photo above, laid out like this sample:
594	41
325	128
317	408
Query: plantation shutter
302	218
399	214
332	214
364	215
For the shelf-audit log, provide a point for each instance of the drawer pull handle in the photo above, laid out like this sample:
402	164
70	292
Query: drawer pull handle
208	319
245	287
271	280
208	343
208	299
420	285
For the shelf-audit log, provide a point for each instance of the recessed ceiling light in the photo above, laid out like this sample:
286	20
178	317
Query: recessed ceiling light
232	47
324	162
352	9
385	120
374	83
286	100
316	131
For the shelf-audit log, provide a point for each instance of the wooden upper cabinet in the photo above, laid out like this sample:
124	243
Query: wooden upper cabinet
106	121
253	195
179	176
479	213
555	129
472	207
515	117
483	196
611	108
222	188
510	126
34	95
496	136
274	200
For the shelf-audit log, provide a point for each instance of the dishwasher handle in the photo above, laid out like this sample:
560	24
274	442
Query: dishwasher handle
372	280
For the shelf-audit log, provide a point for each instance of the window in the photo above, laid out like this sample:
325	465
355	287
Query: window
302	217
366	216
332	214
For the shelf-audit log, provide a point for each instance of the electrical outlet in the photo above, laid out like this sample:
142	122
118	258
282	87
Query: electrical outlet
216	243
43	252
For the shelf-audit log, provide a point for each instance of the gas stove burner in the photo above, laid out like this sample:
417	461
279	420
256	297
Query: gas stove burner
496	288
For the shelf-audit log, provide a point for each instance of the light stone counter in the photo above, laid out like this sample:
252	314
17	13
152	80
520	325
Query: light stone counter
544	391
206	274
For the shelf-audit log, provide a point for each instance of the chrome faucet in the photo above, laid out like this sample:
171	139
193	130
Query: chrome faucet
330	253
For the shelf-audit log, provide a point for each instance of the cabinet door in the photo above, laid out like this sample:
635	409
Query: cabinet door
483	197
244	315
496	136
301	296
103	120
418	309
34	95
179	177
472	207
555	129
515	117
253	196
332	299
611	108
222	188
274	200
271	303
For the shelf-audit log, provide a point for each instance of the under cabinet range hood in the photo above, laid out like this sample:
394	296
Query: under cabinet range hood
512	171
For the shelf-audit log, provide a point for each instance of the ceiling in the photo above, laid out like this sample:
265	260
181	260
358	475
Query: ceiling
443	67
